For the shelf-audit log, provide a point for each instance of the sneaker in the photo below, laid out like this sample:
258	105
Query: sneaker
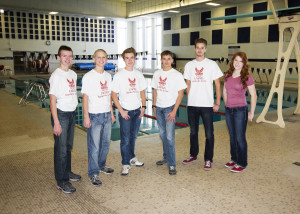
125	170
229	164
74	177
189	160
237	168
66	187
107	170
207	165
172	170
161	162
95	180
134	162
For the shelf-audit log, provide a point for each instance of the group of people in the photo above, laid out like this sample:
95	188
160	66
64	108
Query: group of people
128	95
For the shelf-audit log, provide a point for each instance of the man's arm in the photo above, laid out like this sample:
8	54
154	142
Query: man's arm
154	101
85	105
143	97
188	83
123	113
172	114
56	127
218	95
113	119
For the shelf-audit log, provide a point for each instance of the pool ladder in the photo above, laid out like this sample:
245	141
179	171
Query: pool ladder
31	88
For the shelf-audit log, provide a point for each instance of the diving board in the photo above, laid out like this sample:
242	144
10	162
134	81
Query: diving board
255	14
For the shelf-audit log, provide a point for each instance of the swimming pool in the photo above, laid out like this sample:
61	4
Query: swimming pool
148	125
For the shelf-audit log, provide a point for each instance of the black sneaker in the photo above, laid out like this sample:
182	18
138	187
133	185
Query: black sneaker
107	170
161	162
95	180
172	170
66	187
74	177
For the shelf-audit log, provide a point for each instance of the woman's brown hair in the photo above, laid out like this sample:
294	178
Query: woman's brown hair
244	71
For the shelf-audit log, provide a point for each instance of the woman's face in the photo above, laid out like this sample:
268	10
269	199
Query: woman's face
238	63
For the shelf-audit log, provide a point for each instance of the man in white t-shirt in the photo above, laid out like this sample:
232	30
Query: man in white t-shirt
63	102
98	116
130	85
200	74
168	88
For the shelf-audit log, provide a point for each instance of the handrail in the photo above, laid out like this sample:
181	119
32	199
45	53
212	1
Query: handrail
39	88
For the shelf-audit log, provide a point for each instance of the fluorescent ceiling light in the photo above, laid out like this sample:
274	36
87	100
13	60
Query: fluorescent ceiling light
53	12
212	4
1	11
174	11
100	17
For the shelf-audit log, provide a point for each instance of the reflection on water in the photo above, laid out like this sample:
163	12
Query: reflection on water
148	125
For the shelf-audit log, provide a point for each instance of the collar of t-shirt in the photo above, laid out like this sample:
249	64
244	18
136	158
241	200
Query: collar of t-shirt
94	71
200	61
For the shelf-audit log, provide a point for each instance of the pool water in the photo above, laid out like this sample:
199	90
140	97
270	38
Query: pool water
148	125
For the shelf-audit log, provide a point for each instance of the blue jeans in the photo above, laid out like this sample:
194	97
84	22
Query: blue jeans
63	145
236	119
129	130
98	138
167	134
206	114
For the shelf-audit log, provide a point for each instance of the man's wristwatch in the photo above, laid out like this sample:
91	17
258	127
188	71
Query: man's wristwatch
144	107
153	106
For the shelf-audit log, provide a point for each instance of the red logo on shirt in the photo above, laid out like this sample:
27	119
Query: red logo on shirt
71	83
132	82
199	72
162	81
103	85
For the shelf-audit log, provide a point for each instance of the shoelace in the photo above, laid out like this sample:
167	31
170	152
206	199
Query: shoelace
172	167
95	178
207	163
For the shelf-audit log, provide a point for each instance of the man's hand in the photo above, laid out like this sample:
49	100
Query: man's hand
57	129
216	107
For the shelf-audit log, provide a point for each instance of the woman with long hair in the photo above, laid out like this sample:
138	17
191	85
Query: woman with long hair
236	82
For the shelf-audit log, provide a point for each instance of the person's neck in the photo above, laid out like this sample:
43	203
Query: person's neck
236	73
99	70
200	58
167	68
64	68
128	68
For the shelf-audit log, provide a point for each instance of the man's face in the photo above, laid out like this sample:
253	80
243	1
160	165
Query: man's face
167	61
129	59
65	58
100	59
200	49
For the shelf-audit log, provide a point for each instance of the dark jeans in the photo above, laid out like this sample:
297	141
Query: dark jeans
129	130
206	114
63	145
236	119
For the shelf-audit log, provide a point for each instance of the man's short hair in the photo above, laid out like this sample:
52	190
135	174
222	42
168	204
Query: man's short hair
129	50
166	53
98	51
64	48
200	40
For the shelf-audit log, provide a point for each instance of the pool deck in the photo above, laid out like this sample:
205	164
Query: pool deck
270	184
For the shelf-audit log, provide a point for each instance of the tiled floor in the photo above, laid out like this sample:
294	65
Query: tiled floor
271	183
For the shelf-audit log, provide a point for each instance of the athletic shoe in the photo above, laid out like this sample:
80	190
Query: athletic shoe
95	180
134	162
172	170
189	160
66	187
161	162
207	165
237	168
229	164
107	170
74	177
125	170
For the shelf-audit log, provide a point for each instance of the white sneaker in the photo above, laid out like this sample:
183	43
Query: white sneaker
134	162
125	170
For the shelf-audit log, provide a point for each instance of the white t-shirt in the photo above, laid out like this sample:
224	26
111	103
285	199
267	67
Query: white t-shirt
167	84
98	89
201	74
129	84
63	87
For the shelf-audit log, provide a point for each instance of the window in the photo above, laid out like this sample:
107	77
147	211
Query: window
175	39
185	21
258	8
244	35
167	24
273	35
204	16
229	12
193	37
217	36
